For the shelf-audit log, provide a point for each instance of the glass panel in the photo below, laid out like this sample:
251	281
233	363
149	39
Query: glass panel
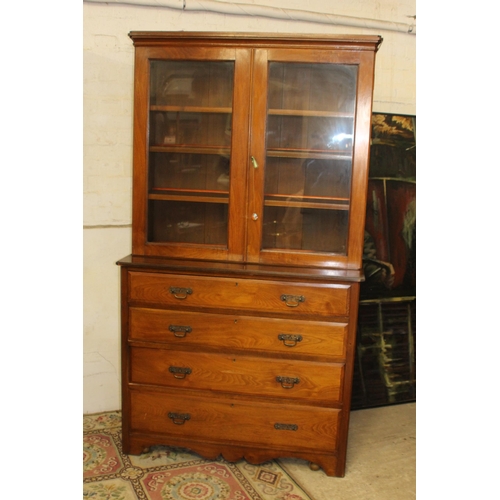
189	151
192	83
305	229
188	222
310	126
191	171
196	129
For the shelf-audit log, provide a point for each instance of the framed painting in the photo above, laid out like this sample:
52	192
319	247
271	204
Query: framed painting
385	370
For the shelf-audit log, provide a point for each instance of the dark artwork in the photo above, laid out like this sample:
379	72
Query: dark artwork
385	351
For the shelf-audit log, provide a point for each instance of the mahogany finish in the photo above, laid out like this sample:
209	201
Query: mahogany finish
240	300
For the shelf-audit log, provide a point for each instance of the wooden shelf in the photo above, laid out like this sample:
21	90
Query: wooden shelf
190	148
318	154
318	202
191	109
228	110
189	195
309	113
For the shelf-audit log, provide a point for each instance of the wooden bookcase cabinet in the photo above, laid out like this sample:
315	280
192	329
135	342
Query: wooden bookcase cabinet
240	298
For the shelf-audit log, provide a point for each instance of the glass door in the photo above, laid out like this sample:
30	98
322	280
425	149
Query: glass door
309	138
305	158
186	194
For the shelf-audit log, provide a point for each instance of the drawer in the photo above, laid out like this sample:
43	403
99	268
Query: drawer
231	331
236	421
306	380
240	294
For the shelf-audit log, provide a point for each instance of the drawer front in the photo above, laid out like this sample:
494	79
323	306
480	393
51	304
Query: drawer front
312	382
242	294
236	421
226	331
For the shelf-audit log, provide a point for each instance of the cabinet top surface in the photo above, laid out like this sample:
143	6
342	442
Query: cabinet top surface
242	269
371	42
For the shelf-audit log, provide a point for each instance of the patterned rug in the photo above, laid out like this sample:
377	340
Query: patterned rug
172	473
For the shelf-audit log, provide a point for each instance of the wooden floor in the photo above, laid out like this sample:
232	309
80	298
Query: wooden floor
381	463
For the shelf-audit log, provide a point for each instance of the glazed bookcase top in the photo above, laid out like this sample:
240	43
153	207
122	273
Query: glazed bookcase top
252	147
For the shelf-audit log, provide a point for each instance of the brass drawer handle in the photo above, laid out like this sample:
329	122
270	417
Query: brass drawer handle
286	427
287	382
179	372
179	418
292	300
290	340
180	331
179	292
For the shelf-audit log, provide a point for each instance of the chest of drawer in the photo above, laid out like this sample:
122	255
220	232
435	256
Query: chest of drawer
234	420
226	373
261	296
232	331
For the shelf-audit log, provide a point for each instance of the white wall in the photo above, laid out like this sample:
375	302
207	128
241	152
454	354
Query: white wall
107	113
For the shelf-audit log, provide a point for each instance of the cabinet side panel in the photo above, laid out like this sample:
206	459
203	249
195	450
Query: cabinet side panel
125	360
349	370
